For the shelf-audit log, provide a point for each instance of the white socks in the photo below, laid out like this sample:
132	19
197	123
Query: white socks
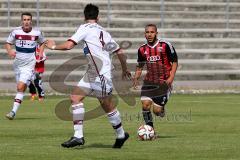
17	101
115	120
78	116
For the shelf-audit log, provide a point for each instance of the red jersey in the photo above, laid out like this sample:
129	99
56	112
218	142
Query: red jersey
40	67
158	59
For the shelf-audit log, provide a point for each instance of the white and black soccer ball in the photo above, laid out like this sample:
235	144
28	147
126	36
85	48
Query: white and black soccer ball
145	132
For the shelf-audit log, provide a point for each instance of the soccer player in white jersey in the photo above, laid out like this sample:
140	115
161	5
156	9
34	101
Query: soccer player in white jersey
97	80
25	38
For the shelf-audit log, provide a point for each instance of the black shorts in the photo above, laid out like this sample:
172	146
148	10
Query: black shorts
158	93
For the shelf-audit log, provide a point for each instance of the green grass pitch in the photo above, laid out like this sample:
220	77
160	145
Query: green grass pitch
197	127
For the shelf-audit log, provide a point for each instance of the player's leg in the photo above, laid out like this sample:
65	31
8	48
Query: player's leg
159	103
147	91
115	119
146	110
78	112
23	77
103	90
21	87
159	110
32	90
39	85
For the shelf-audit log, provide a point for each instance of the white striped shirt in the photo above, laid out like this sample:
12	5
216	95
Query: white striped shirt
25	42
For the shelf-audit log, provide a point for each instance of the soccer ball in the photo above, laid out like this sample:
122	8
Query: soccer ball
145	132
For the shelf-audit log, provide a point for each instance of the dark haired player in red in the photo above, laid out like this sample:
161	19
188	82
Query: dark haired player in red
37	83
161	60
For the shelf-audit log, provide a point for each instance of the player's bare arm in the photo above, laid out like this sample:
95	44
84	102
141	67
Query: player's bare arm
10	51
41	49
123	60
137	75
67	45
169	81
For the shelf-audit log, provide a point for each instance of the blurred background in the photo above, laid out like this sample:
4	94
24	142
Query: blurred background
205	34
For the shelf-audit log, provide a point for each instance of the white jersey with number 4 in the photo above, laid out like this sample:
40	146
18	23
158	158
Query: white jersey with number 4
98	45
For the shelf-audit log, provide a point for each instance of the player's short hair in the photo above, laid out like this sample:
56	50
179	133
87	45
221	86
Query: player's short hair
91	12
26	14
151	25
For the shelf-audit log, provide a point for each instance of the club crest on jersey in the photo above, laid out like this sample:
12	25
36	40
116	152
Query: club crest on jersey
160	49
145	52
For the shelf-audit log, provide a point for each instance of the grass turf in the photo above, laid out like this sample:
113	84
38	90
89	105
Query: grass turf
195	127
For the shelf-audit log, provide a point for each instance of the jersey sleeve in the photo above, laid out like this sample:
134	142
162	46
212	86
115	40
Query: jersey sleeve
79	35
41	38
11	38
171	52
141	60
112	46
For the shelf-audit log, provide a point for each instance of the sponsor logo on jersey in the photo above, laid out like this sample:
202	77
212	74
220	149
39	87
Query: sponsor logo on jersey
153	58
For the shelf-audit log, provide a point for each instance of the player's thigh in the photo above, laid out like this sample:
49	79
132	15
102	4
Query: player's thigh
84	87
103	91
38	75
80	91
26	75
103	88
160	101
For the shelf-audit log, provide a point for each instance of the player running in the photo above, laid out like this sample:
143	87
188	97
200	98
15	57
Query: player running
25	38
98	45
37	83
161	60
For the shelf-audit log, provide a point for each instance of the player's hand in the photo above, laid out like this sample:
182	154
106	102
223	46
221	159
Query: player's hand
12	54
169	81
39	59
50	43
135	83
126	75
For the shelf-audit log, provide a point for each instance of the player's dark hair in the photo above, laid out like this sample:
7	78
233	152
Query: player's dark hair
91	12
26	14
151	25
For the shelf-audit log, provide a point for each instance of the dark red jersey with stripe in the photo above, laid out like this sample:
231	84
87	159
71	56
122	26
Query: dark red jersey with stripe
158	59
40	67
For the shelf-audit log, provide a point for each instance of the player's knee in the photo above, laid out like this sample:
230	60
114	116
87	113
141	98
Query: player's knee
146	105
75	99
158	110
21	87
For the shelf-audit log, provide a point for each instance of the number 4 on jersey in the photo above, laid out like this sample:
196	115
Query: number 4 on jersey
101	39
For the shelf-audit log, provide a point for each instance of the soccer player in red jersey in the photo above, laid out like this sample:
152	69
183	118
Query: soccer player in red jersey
37	84
161	61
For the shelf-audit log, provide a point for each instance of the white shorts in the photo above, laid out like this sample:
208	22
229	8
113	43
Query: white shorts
99	87
24	73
